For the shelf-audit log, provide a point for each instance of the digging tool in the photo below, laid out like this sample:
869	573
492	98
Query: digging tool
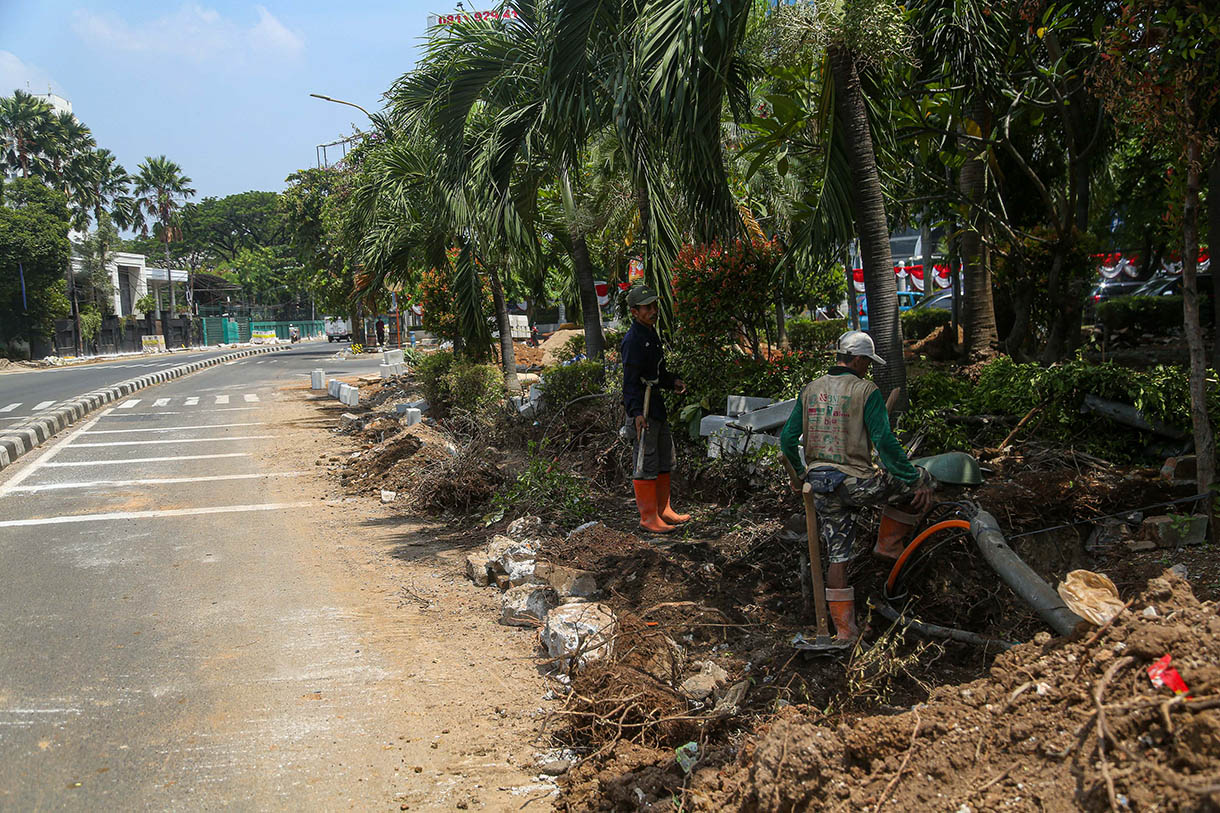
822	642
639	456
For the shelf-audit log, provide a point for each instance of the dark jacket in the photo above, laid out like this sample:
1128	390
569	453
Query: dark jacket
643	357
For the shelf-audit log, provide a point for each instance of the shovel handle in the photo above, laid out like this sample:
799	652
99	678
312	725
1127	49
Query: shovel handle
639	455
815	548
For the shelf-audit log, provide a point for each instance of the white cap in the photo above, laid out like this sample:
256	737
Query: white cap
858	343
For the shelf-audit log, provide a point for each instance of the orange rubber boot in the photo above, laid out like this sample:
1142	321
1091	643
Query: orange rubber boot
842	603
664	510
646	500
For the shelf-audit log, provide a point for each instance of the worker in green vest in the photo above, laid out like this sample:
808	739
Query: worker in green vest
841	418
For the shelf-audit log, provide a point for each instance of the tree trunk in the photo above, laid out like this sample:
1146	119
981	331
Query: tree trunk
880	284
853	313
1205	442
925	243
781	329
591	314
1213	247
980	329
169	281
508	356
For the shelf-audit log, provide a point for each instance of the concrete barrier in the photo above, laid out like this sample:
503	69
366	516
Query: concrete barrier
413	416
392	357
317	380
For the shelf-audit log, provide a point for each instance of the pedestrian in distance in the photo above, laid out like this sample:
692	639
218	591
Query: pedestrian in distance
840	419
644	374
380	333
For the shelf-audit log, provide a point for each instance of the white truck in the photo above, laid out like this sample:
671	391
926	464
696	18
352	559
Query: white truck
338	330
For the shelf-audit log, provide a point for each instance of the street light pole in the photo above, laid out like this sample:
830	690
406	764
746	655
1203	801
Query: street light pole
340	101
356	317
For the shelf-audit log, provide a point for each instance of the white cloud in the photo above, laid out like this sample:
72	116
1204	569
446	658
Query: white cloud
18	75
193	31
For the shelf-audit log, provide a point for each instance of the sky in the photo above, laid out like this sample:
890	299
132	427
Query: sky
222	88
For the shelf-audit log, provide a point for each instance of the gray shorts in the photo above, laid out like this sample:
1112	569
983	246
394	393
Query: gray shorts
658	449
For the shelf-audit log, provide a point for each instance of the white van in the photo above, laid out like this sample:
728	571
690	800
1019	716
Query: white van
338	330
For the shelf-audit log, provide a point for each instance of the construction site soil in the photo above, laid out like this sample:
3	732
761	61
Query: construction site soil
901	721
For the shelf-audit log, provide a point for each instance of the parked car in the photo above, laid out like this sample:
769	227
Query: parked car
1109	289
906	301
941	300
338	330
1172	286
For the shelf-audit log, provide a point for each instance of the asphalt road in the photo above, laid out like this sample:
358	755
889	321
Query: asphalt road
24	395
166	641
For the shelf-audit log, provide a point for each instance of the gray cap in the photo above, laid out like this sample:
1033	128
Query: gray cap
641	295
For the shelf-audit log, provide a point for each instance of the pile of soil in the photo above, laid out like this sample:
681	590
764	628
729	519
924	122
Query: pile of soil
1057	725
395	463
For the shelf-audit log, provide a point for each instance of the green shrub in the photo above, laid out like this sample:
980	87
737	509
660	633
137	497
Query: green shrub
563	384
1005	387
545	489
920	322
574	346
614	340
474	388
432	370
806	334
1146	314
713	374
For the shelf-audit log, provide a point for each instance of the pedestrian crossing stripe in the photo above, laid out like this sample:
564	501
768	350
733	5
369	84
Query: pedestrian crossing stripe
222	399
159	403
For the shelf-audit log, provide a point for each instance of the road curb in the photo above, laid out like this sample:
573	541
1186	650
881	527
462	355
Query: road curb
16	442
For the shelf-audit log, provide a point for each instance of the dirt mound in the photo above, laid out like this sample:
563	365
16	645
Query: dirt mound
597	547
1057	725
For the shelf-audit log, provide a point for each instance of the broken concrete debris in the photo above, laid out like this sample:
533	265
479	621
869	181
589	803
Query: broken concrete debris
477	569
749	423
521	527
568	582
527	605
584	630
701	685
388	496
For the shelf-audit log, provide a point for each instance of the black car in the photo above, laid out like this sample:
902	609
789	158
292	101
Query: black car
1172	286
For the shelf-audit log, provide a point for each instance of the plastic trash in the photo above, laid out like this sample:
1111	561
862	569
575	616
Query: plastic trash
1091	596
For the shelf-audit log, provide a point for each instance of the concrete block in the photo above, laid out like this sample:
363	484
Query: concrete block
386	370
769	417
737	404
332	387
584	630
392	357
1174	531
709	424
527	605
569	582
317	380
413	416
477	569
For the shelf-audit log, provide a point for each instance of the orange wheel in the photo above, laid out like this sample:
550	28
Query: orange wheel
910	550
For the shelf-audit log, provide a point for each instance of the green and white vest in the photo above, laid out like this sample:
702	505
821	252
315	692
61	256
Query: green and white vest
834	430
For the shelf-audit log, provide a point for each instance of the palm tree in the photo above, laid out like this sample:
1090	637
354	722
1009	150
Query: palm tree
160	188
23	117
103	191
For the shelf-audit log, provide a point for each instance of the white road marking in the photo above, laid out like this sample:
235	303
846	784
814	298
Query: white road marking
146	460
177	428
194	399
10	407
35	465
160	402
222	399
157	481
169	512
43	406
251	397
128	404
168	440
198	411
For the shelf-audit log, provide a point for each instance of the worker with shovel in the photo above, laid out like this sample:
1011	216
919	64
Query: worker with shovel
647	421
841	418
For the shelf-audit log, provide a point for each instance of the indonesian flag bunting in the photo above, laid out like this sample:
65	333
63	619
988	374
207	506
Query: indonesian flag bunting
418	310
603	291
